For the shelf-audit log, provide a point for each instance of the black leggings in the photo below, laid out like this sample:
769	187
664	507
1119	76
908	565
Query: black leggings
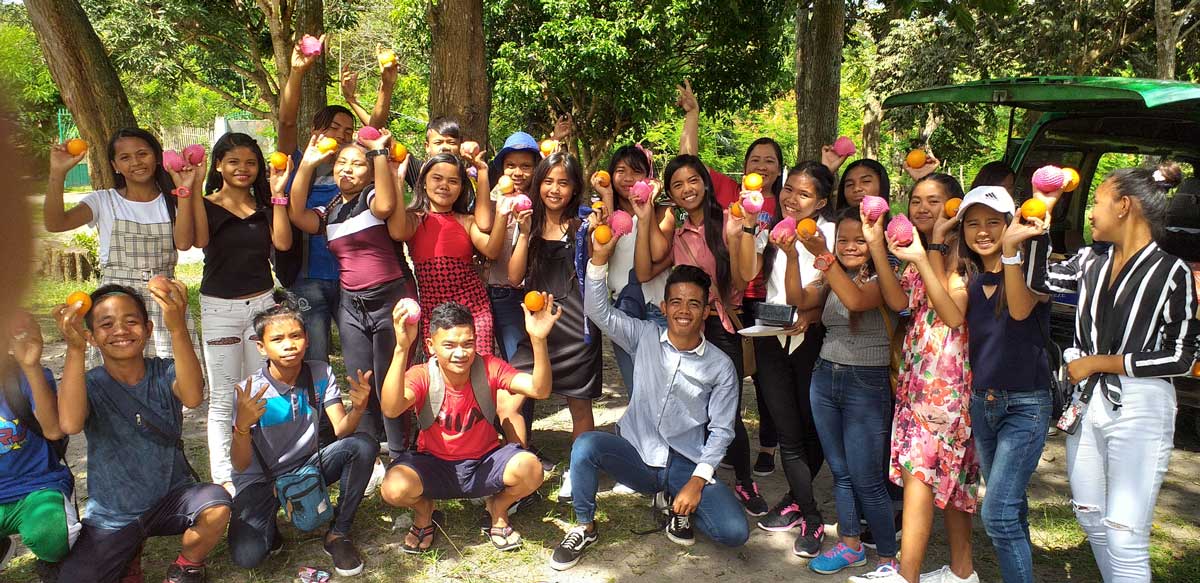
785	380
738	453
768	436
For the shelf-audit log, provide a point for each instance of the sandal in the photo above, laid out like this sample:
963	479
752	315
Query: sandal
429	532
504	538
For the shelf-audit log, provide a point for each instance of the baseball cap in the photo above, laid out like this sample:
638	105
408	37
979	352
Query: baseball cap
518	141
994	197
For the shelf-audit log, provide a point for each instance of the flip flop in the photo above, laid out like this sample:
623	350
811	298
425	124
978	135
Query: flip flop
429	532
504	538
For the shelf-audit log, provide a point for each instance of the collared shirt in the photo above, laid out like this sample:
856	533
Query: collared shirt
691	248
679	396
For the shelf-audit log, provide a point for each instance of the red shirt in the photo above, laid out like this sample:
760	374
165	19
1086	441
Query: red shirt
459	432
727	191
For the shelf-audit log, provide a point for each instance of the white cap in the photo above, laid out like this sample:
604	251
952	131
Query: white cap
994	197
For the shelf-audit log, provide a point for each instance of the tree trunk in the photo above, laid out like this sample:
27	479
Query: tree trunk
820	31
80	67
310	20
872	122
458	83
1164	40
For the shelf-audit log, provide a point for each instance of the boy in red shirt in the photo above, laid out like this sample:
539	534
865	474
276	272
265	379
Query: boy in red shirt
459	452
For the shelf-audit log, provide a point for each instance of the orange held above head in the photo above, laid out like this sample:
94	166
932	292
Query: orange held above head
76	146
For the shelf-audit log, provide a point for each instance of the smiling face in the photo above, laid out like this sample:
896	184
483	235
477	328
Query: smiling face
686	309
284	342
764	162
556	189
134	159
982	229
119	329
624	176
850	244
443	185
687	189
436	143
518	165
799	197
239	167
454	348
341	128
860	182
925	205
352	170
1107	210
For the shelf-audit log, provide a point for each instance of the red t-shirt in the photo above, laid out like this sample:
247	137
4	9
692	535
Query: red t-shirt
459	432
727	191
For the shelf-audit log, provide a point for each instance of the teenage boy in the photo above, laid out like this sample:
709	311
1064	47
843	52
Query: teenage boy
456	394
679	420
36	487
139	481
277	424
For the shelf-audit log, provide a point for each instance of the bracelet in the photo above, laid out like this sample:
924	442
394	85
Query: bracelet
748	230
182	192
279	200
939	247
239	431
379	152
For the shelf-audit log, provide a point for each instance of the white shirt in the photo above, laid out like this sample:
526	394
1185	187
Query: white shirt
776	287
108	206
620	264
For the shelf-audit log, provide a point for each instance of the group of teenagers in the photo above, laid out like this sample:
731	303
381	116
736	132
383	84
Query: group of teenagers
911	371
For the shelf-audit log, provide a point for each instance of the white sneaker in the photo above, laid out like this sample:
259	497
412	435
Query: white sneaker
945	575
620	488
377	475
885	573
564	491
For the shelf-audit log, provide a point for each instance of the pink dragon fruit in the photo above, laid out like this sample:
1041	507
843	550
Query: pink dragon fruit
194	154
752	201
640	191
520	203
900	230
366	133
844	146
414	310
310	46
874	207
783	228
172	160
621	223
1048	178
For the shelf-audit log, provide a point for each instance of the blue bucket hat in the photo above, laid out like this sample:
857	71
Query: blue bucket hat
517	142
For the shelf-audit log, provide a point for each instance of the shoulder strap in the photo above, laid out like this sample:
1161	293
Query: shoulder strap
482	389
433	397
306	381
133	411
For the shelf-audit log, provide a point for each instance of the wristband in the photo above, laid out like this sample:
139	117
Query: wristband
279	200
824	261
379	152
748	230
182	192
939	247
1014	260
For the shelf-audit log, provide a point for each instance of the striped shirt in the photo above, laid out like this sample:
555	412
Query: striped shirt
1148	314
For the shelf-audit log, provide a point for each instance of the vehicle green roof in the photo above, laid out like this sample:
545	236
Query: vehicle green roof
1061	94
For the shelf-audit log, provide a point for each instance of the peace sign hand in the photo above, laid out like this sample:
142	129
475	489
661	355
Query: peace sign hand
250	408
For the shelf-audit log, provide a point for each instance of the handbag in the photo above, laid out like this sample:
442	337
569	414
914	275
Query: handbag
302	492
1061	389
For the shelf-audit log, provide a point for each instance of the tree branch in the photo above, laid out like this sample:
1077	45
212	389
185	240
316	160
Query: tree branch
230	97
1180	18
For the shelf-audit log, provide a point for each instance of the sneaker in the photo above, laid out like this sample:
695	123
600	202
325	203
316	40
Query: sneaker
564	490
679	530
751	500
568	552
808	544
838	558
886	572
620	488
783	517
945	575
276	545
177	573
660	502
377	474
533	498
7	550
346	560
765	464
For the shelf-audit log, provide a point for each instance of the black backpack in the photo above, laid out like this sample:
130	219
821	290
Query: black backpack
23	409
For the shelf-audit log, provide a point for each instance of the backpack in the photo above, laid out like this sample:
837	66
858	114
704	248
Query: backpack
23	409
437	393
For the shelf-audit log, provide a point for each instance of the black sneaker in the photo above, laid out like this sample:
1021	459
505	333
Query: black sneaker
808	544
568	552
524	503
783	517
751	500
346	560
765	464
679	529
276	545
177	573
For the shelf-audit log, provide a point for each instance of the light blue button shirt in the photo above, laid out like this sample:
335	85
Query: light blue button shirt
677	395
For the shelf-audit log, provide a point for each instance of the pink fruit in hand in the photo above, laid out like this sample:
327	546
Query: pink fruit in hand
194	154
752	201
413	308
640	191
310	46
783	228
469	149
520	203
367	133
1048	179
844	146
172	160
900	230
874	207
621	223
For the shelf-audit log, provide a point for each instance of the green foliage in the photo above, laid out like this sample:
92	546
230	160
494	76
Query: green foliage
88	241
26	83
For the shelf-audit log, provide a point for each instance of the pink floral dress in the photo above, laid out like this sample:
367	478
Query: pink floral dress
931	433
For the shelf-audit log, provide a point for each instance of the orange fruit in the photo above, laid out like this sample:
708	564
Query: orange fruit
916	158
279	160
602	178
951	207
387	57
1072	179
752	181
76	146
806	228
548	147
1033	208
505	184
327	145
735	209
603	234
79	297
535	301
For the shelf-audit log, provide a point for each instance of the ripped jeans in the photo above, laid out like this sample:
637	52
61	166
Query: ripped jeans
1116	462
230	355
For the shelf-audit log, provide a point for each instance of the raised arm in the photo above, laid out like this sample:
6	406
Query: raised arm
538	325
306	219
949	304
27	350
491	244
349	85
55	217
189	377
689	138
889	286
192	177
289	99
1021	300
195	205
485	209
383	101
248	409
345	423
387	198
743	247
617	325
281	225
72	393
655	234
518	261
395	397
402	225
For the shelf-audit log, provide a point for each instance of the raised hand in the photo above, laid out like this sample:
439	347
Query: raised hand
538	324
379	143
831	159
61	161
562	127
912	253
250	407
1021	230
786	243
360	389
302	63
931	165
173	300
406	333
349	84
26	340
686	100
602	252
815	243
69	320
279	179
943	226
524	221
873	232
314	157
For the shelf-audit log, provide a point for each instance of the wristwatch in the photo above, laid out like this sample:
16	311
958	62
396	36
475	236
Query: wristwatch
182	192
824	261
939	247
1014	260
747	230
379	152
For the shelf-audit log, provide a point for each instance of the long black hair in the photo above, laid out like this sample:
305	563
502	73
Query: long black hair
632	156
161	178
949	184
885	183
260	190
970	263
777	186
570	212
714	218
462	204
1149	187
822	179
993	173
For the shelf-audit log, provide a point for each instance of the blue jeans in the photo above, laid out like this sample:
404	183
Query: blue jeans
624	359
1010	432
851	407
318	300
719	515
508	321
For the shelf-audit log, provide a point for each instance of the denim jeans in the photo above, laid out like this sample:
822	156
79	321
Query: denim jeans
851	407
1010	432
230	355
318	300
624	359
508	321
719	515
